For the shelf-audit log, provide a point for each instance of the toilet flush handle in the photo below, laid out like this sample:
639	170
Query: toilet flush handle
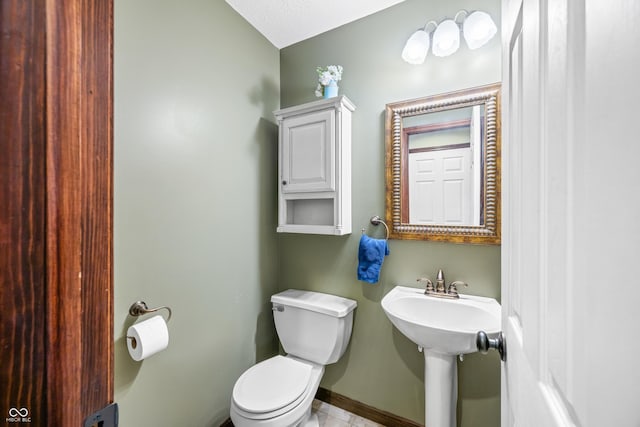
276	307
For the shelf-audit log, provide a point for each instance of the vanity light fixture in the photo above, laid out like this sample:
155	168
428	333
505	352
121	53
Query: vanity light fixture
477	27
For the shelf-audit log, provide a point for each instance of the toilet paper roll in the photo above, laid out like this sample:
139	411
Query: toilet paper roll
147	338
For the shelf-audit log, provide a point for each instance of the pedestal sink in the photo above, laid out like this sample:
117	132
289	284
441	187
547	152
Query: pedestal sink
443	328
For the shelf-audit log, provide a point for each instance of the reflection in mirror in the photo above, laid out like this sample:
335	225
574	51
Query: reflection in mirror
444	173
442	167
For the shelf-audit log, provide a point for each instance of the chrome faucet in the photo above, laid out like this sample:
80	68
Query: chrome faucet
441	289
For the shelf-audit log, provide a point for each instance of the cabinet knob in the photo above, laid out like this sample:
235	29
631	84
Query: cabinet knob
284	182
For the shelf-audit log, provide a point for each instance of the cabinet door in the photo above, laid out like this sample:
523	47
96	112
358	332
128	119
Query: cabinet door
308	160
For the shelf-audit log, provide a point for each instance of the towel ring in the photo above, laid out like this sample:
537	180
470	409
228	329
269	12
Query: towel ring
376	220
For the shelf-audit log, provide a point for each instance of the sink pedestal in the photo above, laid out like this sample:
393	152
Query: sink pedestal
440	389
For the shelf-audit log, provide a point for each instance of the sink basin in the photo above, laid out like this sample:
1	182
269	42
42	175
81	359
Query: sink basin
446	326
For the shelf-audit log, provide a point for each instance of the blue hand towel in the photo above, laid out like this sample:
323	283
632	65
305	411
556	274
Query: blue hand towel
371	253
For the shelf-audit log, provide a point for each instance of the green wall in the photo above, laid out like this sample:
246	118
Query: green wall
195	166
381	367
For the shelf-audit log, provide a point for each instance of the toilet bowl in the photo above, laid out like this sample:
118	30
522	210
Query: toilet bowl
314	329
276	392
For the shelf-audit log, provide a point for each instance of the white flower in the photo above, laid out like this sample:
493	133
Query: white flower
335	71
325	78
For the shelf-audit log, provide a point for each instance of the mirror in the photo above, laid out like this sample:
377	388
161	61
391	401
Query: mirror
443	167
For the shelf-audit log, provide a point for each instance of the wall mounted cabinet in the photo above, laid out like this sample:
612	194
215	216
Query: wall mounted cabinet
314	155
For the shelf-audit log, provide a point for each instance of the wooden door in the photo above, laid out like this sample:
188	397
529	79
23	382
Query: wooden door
56	285
570	213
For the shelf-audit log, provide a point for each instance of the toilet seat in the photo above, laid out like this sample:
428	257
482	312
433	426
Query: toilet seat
272	387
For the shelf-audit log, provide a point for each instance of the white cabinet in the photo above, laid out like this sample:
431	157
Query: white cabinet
314	167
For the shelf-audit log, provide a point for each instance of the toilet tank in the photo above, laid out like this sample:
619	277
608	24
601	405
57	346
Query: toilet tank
313	326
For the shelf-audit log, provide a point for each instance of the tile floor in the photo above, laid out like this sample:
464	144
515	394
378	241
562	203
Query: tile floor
332	416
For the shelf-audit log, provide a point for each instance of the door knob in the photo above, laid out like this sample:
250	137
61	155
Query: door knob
484	344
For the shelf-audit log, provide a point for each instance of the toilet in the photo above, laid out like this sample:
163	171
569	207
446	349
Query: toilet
314	329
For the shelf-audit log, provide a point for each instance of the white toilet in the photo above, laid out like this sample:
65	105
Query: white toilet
314	329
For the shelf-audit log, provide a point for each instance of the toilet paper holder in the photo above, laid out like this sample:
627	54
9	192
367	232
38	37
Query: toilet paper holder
139	308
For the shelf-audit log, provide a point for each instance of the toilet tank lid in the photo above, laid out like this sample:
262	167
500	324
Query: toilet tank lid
332	305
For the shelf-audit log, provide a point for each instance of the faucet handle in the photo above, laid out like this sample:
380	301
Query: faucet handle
453	287
429	284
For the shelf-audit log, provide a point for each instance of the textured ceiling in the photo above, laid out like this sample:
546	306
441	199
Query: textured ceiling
285	22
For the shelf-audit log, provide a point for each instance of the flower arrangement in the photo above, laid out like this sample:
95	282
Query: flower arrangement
326	75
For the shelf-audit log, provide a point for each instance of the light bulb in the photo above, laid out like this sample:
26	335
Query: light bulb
416	48
478	29
446	38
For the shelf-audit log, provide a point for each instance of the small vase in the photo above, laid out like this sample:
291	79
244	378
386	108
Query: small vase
331	89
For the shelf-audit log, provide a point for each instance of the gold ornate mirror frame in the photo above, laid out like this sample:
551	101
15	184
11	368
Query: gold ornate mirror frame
396	161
